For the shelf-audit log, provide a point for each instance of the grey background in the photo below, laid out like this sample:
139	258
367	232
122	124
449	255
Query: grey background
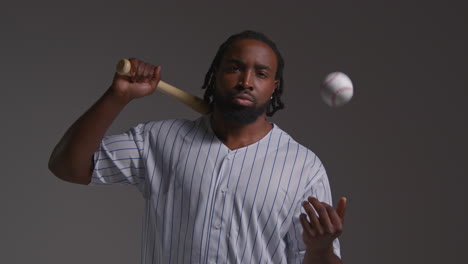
397	151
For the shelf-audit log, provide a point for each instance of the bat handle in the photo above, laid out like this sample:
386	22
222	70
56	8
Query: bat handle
123	68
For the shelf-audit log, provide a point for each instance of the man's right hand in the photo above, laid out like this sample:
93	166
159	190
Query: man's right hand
72	158
143	80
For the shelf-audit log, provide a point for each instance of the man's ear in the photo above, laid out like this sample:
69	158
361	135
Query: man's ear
277	83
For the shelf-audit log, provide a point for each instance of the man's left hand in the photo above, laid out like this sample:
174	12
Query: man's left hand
322	227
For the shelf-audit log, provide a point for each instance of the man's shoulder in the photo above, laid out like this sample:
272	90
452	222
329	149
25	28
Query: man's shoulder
170	124
290	143
168	129
288	138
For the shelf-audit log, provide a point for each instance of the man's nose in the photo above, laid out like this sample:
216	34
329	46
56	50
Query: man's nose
245	80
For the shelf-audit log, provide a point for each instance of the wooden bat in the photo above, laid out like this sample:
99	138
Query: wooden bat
196	103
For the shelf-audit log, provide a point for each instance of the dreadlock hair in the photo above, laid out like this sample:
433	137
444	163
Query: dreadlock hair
275	103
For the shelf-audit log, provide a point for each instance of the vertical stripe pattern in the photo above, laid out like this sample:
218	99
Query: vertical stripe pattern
205	203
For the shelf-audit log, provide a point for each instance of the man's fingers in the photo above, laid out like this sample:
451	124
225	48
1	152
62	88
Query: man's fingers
155	72
148	72
141	72
156	76
133	68
322	211
306	225
336	220
313	218
341	208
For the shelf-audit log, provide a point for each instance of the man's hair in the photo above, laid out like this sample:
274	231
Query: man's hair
275	103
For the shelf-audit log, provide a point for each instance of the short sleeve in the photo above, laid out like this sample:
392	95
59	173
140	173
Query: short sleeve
119	159
318	186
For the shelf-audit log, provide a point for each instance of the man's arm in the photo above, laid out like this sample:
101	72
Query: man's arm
320	232
72	158
327	257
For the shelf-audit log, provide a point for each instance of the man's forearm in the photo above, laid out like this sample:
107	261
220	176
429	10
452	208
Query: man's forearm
71	159
321	258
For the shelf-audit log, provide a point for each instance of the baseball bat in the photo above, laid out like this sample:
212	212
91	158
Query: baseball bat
124	66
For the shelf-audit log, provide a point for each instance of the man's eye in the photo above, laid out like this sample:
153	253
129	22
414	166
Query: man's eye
262	74
233	68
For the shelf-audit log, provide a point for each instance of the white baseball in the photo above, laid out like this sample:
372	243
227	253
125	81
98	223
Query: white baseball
336	89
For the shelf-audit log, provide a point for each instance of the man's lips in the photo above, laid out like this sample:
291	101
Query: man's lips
244	96
243	99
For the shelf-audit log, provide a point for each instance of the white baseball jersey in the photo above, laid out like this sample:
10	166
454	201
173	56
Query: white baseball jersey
206	203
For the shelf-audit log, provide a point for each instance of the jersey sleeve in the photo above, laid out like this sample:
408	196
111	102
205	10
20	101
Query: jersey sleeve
119	159
318	186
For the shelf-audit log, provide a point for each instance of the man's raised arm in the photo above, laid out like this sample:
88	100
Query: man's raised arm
72	158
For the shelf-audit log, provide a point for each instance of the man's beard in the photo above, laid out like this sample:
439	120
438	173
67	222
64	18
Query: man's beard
237	113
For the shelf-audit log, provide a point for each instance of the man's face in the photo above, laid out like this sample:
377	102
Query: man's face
245	80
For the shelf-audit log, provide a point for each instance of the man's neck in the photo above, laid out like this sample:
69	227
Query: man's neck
235	135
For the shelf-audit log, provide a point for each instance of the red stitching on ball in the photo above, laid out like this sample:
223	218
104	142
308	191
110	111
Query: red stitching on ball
338	92
330	80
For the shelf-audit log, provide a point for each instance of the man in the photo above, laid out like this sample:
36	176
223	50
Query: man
228	187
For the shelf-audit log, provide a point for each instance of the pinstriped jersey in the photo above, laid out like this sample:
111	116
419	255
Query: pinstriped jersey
205	203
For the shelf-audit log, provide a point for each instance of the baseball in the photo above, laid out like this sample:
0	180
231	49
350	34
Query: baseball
336	89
